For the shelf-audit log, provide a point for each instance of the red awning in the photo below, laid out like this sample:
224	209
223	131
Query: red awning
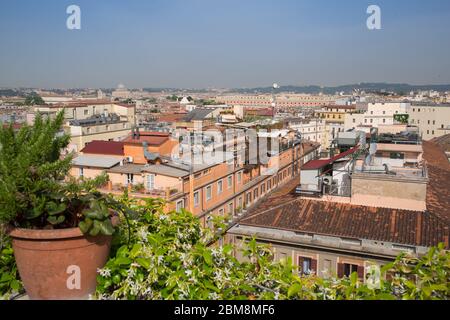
318	164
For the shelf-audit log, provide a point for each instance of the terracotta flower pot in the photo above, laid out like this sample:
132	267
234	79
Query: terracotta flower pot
59	264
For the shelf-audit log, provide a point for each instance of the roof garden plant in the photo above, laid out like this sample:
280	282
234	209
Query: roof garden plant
35	192
42	207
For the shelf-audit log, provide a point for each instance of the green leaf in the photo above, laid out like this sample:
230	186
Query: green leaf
94	215
85	225
15	285
56	220
95	230
53	208
122	261
294	289
145	263
106	228
207	256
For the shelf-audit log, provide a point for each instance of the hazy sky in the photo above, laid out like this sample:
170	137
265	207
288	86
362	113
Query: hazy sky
222	43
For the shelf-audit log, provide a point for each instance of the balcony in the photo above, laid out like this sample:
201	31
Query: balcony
139	191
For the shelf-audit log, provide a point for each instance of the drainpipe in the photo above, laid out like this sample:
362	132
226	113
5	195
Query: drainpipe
191	179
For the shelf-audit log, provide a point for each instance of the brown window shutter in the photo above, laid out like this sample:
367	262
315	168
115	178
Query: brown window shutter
314	266
300	264
361	272
340	270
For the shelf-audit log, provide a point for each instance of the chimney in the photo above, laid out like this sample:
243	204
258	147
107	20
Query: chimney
138	134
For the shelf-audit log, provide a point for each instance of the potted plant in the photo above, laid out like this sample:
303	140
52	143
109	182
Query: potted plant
60	227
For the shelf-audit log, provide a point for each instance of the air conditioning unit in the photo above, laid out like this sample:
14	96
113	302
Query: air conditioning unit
130	159
328	180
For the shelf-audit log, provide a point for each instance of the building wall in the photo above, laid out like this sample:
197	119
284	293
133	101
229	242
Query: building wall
389	192
294	100
377	114
325	262
79	142
430	120
88	172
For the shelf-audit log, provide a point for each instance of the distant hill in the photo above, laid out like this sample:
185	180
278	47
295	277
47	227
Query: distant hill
367	87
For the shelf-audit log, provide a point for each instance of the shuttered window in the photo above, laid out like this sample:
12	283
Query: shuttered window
346	270
307	265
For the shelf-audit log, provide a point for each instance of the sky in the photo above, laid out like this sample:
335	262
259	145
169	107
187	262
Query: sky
222	43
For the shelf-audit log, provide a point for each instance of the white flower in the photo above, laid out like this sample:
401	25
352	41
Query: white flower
143	234
213	296
188	273
131	272
105	272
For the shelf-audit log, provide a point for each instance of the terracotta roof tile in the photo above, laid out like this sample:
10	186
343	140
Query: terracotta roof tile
152	138
104	147
284	210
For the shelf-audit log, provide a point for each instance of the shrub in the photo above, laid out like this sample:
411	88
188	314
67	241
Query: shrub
169	257
10	283
34	190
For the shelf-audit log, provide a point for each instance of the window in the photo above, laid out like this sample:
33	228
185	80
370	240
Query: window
305	265
221	212
208	193
230	208
239	176
196	199
180	205
397	155
150	182
255	194
219	187
230	181
81	172
130	178
263	188
249	198
86	112
349	269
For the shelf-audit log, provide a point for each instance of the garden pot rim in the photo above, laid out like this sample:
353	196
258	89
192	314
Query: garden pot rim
45	234
50	234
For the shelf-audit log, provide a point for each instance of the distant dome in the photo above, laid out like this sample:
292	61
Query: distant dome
121	86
